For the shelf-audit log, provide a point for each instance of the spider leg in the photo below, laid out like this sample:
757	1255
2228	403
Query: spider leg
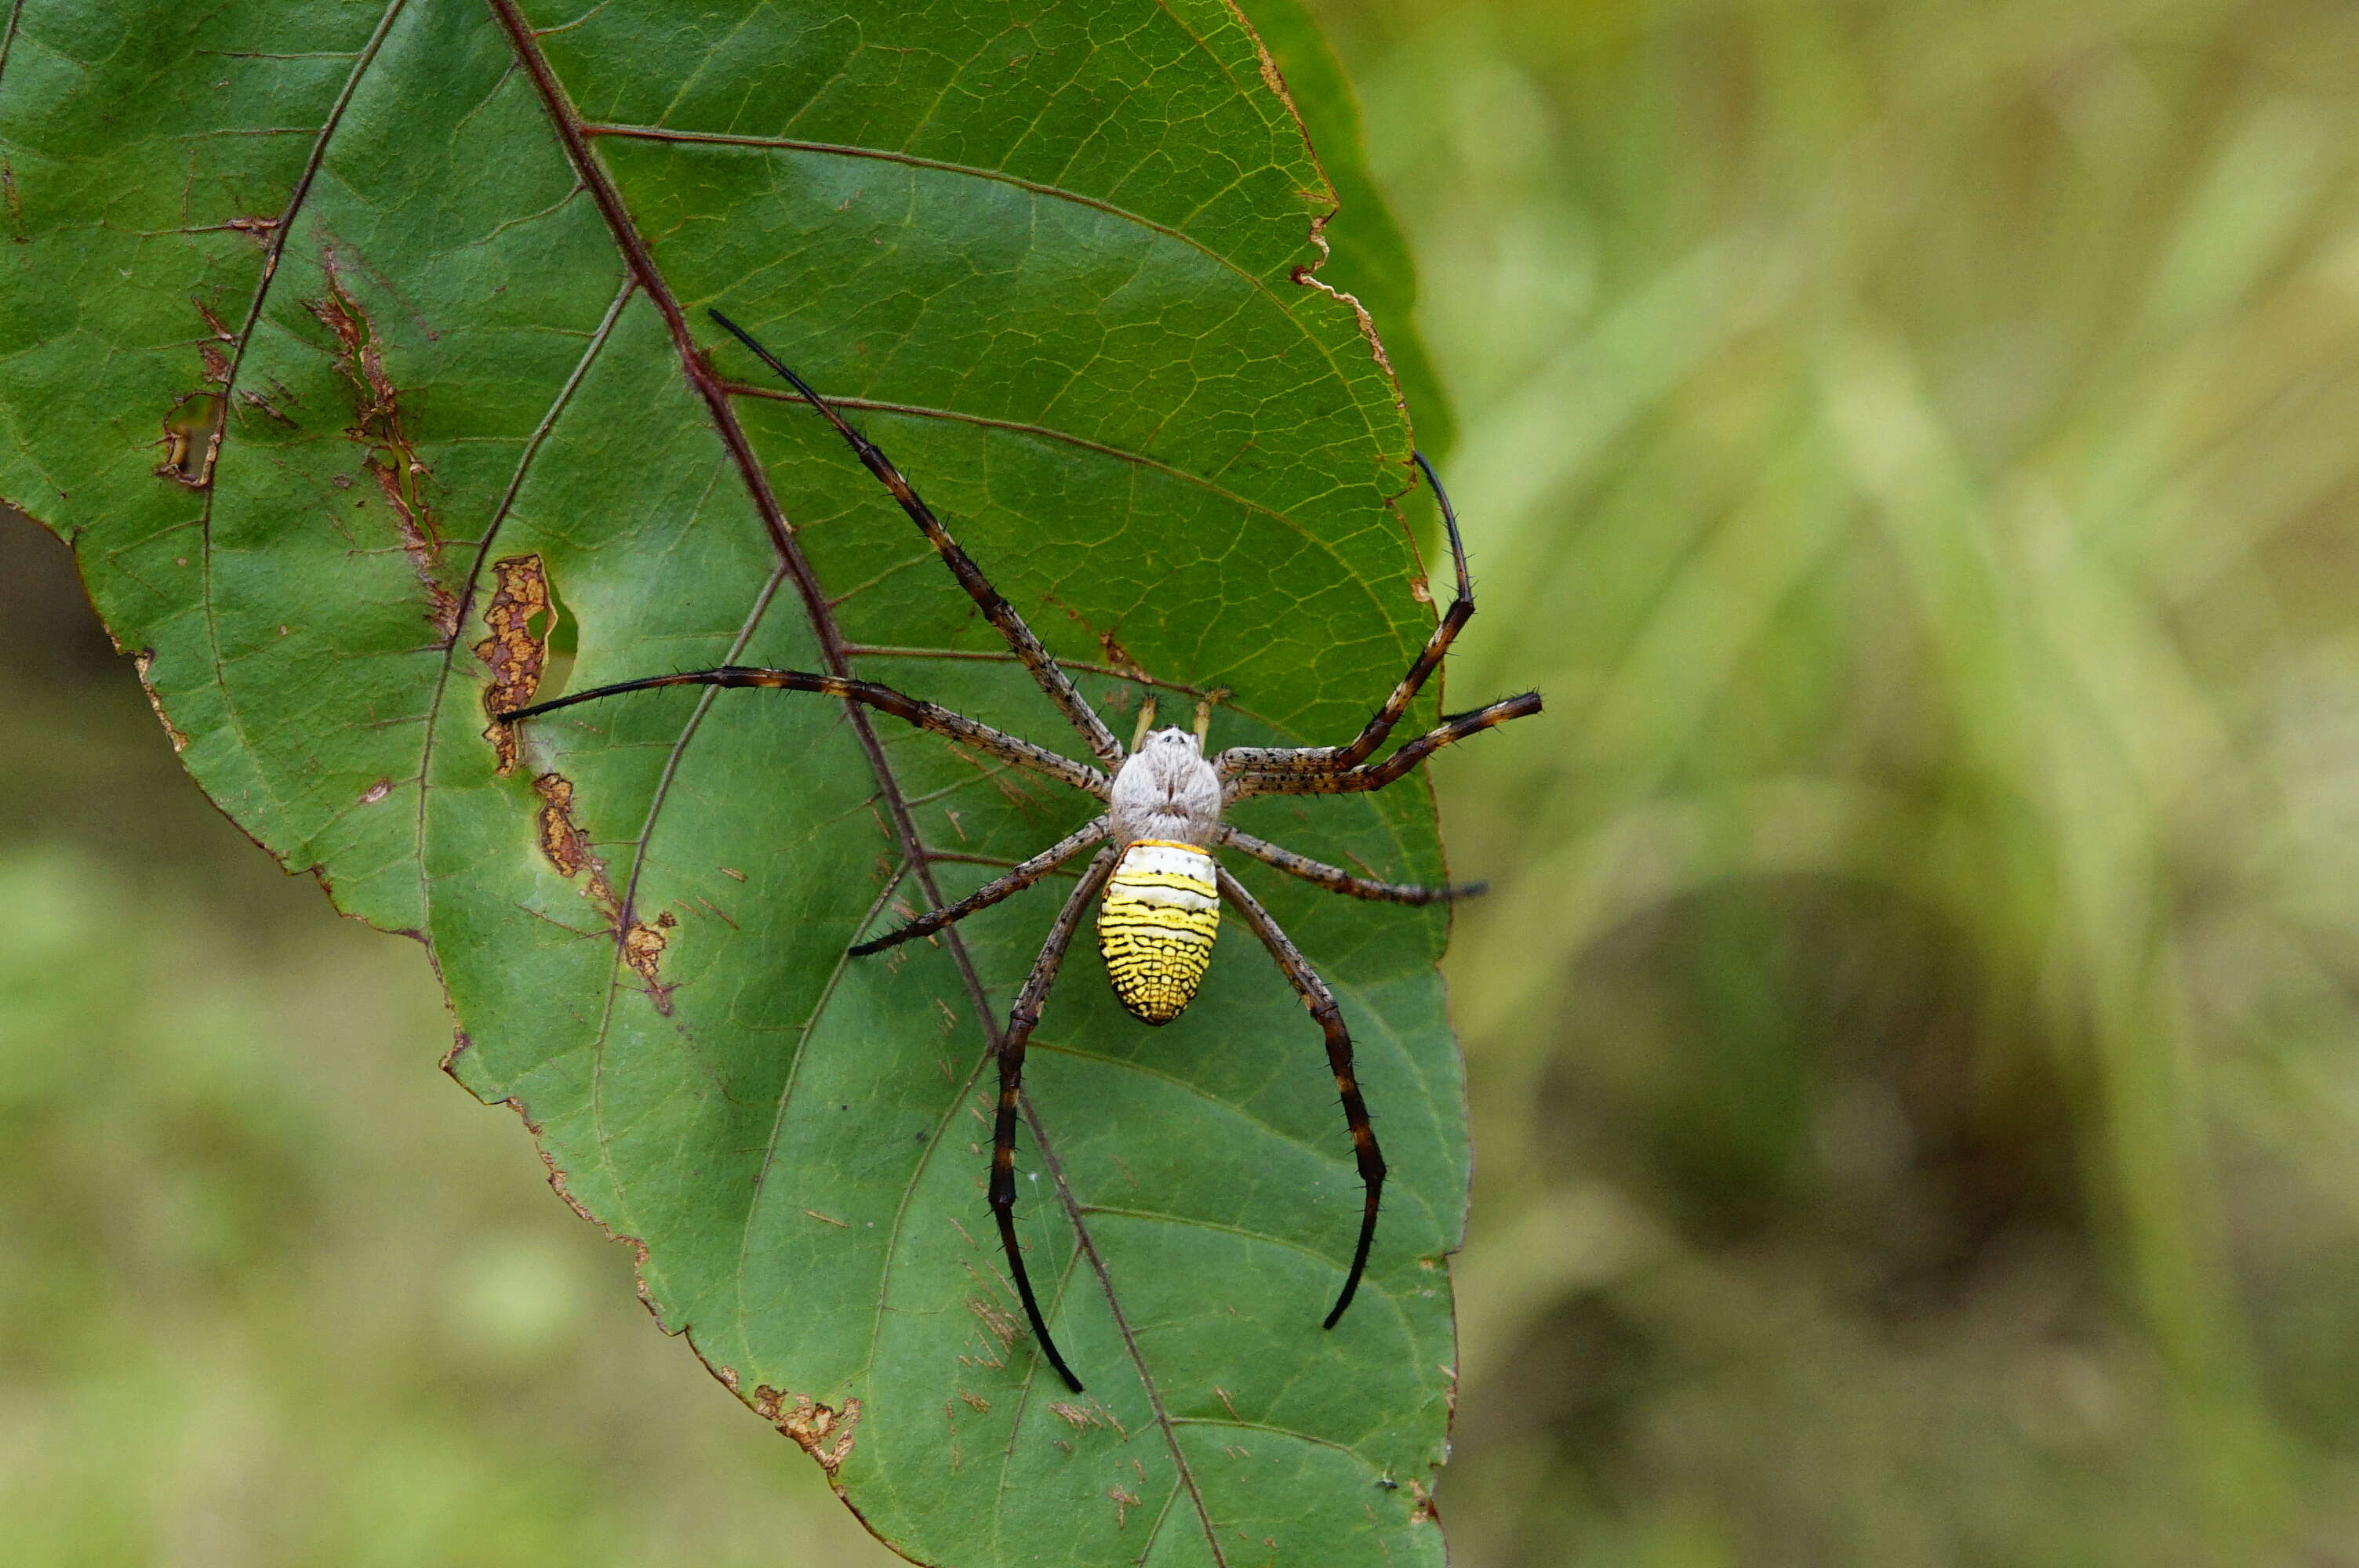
1322	1003
1020	1020
1351	781
1338	881
884	698
1016	879
995	610
1325	759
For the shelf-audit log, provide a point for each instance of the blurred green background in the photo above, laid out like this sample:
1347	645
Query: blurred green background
1915	445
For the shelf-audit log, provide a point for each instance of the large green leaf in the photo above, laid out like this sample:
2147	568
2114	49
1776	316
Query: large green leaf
432	283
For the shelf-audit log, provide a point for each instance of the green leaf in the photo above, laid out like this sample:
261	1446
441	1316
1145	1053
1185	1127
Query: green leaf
329	352
1371	259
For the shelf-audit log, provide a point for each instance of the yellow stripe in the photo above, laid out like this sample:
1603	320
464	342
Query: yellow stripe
1156	951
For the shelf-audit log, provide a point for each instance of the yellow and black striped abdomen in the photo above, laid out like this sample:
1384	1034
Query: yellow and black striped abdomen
1156	925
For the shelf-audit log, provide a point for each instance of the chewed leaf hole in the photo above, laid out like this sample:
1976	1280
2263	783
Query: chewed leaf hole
192	435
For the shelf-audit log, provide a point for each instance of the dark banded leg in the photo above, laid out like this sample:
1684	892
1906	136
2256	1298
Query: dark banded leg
1351	781
995	610
884	698
1336	881
1016	879
1321	1003
1314	759
1020	1020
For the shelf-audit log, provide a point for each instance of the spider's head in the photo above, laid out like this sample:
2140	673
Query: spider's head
1167	790
1173	742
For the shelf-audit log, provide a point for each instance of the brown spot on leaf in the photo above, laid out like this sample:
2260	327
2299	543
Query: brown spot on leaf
810	1425
643	948
255	400
144	662
259	230
1119	656
1001	1323
518	650
1072	1415
560	839
393	459
376	792
568	850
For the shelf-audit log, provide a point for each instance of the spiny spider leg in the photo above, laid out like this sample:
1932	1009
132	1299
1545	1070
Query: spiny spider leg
1016	879
1351	781
1020	1020
1321	1003
995	610
1331	758
884	698
1337	881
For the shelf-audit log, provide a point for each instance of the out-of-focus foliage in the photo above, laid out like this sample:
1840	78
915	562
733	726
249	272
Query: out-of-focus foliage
1914	446
1916	1036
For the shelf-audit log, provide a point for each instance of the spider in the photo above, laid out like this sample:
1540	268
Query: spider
1164	802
